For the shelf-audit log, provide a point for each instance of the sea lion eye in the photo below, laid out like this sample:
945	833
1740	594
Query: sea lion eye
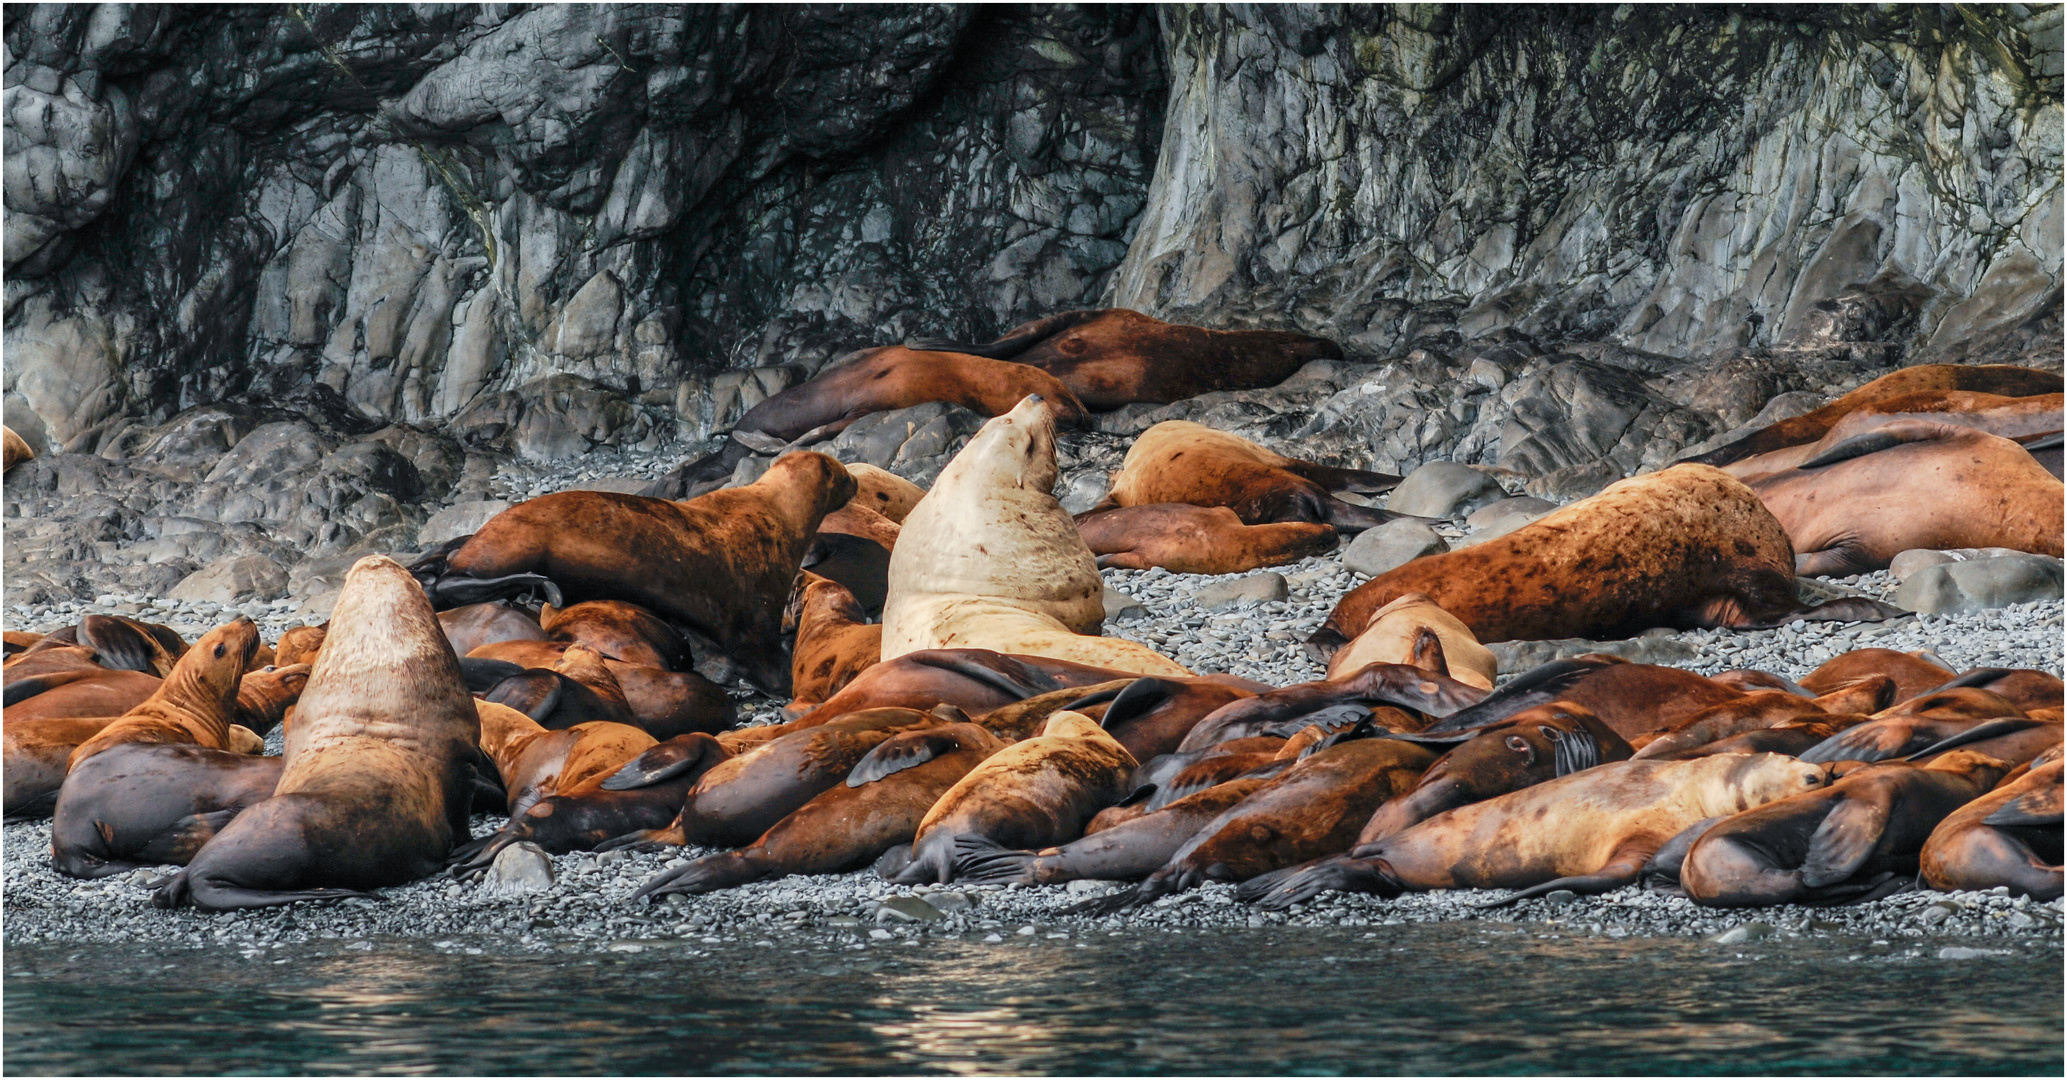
219	650
1518	744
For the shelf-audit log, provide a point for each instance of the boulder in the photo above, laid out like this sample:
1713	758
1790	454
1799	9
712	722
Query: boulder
1254	589
1503	517
521	869
233	580
1444	489
1393	544
1958	588
1119	607
459	519
1519	656
1905	565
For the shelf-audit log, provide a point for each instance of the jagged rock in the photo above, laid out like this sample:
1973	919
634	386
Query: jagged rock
234	580
459	519
915	443
1254	589
1084	490
1957	588
1444	489
1391	545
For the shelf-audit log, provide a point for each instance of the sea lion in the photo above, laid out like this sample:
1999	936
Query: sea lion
1685	547
101	693
1314	808
1284	710
1913	484
1590	832
579	817
264	696
1128	851
1111	357
975	681
145	804
197	703
108	642
535	762
1394	636
578	689
2019	419
299	645
620	631
884	491
470	627
1031	794
834	643
853	547
1914	672
379	770
664	703
1535	745
720	564
2000	379
1790	737
866	381
14	641
1178	461
989	560
744	796
1759	710
1186	539
2007	838
2011	739
849	825
2021	687
1843	842
13	449
38	755
1155	716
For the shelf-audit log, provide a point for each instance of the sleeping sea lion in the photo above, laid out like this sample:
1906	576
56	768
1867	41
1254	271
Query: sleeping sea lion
664	703
1759	710
1128	851
93	693
2019	419
1685	547
470	627
379	769
1530	747
535	762
1178	461
720	564
620	631
13	449
1844	842
989	560
1914	672
2022	687
1155	716
1187	539
834	643
853	547
975	681
884	491
37	755
1590	832
1394	636
1285	710
2007	838
299	644
196	704
578	689
147	804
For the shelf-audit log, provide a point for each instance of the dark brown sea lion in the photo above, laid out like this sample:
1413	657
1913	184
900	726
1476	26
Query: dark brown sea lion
536	762
1113	356
1685	547
144	804
1888	737
1913	484
972	680
470	627
2016	418
1745	680
868	381
1401	686
1186	539
578	689
1589	832
1531	747
2007	838
1128	851
744	796
721	564
1843	842
1031	794
196	704
664	703
1914	672
1762	709
1312	809
1152	716
850	825
299	644
1984	378
1954	703
38	754
835	642
853	548
1178	461
379	765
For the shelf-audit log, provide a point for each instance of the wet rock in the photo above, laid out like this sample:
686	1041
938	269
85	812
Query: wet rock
520	869
947	902
1964	952
240	578
1979	584
1444	489
457	520
1938	913
1744	932
1254	589
1391	545
907	909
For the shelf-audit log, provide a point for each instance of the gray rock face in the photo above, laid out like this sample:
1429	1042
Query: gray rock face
1444	489
1391	545
1957	588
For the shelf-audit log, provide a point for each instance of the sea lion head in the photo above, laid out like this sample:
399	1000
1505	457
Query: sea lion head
214	667
1016	450
813	485
1762	778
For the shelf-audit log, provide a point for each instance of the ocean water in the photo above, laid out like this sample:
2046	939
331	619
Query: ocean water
1406	999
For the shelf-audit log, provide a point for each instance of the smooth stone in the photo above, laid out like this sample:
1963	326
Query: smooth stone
1962	952
1906	565
1937	913
1444	489
1390	546
1518	656
622	485
1084	491
1082	886
457	520
1119	607
1560	897
1492	514
1254	589
907	909
944	902
1962	588
1738	935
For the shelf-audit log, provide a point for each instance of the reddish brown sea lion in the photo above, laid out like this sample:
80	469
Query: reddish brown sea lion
1999	379
1685	547
620	631
835	642
1178	461
721	564
2007	838
13	449
196	704
664	703
2022	687
105	693
1757	711
1128	851
264	696
17	640
536	762
1589	832
1913	484
144	804
470	627
2020	419
1531	747
1187	539
379	770
298	645
1286	709
1155	716
847	827
578	689
1847	841
1113	356
1914	672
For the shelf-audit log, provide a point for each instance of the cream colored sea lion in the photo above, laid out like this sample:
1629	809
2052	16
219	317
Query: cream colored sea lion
13	449
196	704
1178	461
2008	838
989	560
1394	636
379	775
1688	546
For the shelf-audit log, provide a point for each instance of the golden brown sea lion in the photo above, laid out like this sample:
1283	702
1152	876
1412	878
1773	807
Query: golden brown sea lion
835	642
2016	418
1846	841
1111	357
379	765
721	564
847	827
620	631
17	640
1028	795
145	804
1984	378
196	704
1178	461
1186	539
104	693
1589	832
1757	711
1394	636
13	449
975	681
989	560
1913	484
884	491
1685	547
299	645
1914	672
536	762
470	627
1533	746
2007	838
264	696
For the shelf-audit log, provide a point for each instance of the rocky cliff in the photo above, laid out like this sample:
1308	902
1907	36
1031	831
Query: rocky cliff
404	246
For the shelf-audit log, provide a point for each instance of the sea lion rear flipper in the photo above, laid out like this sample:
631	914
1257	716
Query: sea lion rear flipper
2039	806
983	861
1349	518
1663	866
2005	726
184	889
1282	889
535	693
708	874
995	670
892	862
1845	840
693	478
669	759
1623	868
1355	480
1334	718
122	647
474	857
905	750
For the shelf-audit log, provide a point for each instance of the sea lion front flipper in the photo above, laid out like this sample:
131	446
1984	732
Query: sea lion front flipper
905	750
724	870
481	674
179	843
2039	806
1866	742
2005	726
669	759
122	647
535	693
1135	699
1330	478
182	889
1845	840
1573	751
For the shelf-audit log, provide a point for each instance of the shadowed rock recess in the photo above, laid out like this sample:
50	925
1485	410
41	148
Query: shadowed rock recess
282	282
